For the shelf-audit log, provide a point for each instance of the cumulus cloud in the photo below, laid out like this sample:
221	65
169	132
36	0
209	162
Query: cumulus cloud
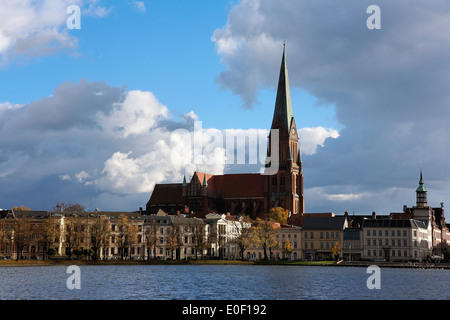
388	86
93	142
38	28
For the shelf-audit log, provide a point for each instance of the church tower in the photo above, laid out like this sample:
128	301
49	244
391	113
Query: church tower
421	193
285	188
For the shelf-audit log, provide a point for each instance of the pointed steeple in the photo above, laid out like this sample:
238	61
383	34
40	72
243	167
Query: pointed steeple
283	105
421	187
299	159
184	182
205	184
421	192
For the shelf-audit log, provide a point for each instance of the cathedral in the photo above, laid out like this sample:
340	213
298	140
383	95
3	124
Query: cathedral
252	194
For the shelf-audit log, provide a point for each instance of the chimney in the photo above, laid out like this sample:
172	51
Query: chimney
374	215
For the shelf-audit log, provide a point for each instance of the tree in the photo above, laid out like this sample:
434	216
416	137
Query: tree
198	236
151	238
48	234
68	207
265	235
245	234
21	208
287	248
74	234
99	232
336	251
279	215
127	235
22	234
174	239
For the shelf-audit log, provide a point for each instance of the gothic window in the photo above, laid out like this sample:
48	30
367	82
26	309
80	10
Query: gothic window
274	184
282	184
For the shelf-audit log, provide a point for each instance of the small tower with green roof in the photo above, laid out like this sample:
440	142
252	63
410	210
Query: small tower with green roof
421	192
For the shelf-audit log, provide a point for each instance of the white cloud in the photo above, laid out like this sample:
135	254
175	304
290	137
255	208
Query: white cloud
38	28
140	5
311	138
389	87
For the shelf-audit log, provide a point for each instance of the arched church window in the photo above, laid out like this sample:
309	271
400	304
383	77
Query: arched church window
282	183
274	184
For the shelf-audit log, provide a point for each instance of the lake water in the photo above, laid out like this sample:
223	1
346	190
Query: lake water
224	282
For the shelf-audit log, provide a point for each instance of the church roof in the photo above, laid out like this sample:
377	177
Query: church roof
166	194
244	185
283	105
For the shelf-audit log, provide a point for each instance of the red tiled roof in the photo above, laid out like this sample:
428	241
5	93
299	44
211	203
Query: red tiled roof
249	185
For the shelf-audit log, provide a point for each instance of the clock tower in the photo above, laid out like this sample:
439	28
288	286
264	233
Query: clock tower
285	187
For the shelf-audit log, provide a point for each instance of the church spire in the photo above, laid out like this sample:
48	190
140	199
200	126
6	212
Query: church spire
421	192
283	105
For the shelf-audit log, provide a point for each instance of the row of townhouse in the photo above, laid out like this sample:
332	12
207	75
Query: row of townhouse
391	237
117	235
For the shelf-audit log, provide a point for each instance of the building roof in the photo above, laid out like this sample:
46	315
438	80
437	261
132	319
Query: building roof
247	185
283	105
325	223
393	223
166	194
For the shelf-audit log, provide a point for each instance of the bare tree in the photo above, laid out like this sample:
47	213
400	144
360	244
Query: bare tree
48	234
151	238
99	233
74	234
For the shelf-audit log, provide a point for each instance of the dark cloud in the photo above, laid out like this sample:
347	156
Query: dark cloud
389	88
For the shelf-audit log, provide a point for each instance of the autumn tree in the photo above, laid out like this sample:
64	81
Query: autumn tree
74	233
21	208
48	233
279	215
336	251
151	238
174	239
99	233
22	234
287	248
127	235
245	236
198	235
265	235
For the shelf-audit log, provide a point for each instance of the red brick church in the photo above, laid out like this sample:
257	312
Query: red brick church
253	193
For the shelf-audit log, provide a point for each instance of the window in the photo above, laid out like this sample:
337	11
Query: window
282	184
379	233
398	233
327	235
312	235
306	245
321	235
392	233
368	232
306	235
274	184
404	233
386	233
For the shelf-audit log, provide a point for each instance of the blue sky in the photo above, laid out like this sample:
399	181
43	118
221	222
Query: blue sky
86	115
167	50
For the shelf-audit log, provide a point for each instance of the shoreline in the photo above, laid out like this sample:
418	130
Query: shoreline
365	264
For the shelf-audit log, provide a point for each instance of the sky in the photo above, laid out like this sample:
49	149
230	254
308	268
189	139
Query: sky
91	115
